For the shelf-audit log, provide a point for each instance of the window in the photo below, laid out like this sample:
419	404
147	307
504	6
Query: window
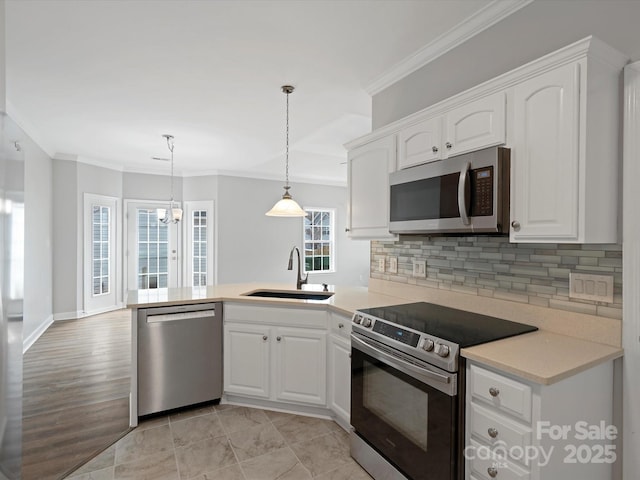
199	239
319	243
153	250
101	249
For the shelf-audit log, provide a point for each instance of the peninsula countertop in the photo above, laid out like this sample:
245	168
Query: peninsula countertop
543	357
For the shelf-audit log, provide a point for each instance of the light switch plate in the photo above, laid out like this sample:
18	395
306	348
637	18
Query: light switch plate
393	264
420	268
598	288
381	265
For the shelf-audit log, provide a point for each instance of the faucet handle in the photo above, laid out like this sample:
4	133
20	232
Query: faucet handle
325	287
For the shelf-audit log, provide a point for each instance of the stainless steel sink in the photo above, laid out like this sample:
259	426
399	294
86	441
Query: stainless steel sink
298	294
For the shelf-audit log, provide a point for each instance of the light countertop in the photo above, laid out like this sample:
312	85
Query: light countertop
543	357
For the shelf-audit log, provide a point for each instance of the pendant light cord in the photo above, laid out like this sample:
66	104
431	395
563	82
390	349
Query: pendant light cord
170	145
287	147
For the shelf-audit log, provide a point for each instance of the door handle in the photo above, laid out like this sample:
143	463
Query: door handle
463	183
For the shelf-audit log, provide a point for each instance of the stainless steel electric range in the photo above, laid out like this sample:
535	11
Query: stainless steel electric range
407	387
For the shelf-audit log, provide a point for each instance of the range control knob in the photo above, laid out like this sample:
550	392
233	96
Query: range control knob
357	319
366	322
428	345
442	350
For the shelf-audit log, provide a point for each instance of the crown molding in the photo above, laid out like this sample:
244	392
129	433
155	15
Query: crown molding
460	33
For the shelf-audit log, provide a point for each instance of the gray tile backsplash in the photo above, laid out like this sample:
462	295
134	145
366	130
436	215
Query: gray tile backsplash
537	274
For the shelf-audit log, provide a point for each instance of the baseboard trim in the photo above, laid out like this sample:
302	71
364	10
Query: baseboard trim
83	314
35	335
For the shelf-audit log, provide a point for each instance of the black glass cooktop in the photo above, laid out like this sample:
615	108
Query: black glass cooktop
458	326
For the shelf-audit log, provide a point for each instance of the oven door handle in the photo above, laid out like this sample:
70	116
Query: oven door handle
443	383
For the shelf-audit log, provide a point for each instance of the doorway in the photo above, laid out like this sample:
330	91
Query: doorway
152	248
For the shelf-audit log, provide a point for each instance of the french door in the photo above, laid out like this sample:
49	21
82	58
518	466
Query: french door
101	253
152	248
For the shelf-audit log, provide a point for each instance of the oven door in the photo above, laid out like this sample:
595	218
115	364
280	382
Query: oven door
405	409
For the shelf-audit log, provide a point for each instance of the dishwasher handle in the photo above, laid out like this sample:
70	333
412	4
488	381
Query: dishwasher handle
180	316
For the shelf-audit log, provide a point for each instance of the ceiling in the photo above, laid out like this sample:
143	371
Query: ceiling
100	81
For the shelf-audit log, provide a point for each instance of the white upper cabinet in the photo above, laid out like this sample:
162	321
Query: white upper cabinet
565	154
472	126
368	172
545	156
420	143
476	125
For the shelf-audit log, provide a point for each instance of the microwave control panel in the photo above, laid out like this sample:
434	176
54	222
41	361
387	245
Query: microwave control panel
482	180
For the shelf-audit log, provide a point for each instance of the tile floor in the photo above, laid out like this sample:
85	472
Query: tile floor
225	442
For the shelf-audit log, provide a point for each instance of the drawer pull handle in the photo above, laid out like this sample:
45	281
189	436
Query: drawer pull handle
448	145
494	392
493	472
341	325
493	433
264	337
278	338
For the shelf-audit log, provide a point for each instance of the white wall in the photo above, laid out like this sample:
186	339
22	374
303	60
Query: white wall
70	181
539	28
141	186
255	248
38	268
65	238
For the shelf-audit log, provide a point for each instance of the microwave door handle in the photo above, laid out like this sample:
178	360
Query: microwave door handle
463	181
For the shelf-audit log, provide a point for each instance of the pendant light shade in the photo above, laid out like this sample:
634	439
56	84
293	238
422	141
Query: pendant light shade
287	206
173	214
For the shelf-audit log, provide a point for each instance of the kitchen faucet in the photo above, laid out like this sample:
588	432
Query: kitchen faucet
300	281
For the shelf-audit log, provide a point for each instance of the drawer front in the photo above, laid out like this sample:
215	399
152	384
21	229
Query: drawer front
502	393
493	469
495	429
340	325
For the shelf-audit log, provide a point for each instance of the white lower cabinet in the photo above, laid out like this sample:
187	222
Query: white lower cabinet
276	353
247	353
301	359
339	372
340	378
516	429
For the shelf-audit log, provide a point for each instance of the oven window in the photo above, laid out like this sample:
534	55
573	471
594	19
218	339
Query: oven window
398	403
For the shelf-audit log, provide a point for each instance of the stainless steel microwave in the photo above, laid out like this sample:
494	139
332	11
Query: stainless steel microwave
465	194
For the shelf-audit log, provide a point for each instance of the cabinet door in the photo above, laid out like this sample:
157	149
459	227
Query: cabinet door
420	143
369	168
246	359
544	157
476	125
340	377
301	365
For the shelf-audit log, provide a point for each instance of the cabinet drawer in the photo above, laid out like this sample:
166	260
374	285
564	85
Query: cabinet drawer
504	394
340	325
481	468
484	422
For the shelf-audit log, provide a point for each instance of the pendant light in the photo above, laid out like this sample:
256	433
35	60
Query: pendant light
173	214
287	206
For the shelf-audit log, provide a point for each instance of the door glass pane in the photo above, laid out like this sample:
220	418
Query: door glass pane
199	247
153	250
101	251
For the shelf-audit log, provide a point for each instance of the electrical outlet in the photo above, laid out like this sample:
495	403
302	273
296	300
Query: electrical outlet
393	264
598	288
381	265
420	268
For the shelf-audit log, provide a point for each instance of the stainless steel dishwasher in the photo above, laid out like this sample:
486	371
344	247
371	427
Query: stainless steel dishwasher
179	356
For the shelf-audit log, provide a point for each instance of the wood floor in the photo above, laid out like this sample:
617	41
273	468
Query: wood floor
76	382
